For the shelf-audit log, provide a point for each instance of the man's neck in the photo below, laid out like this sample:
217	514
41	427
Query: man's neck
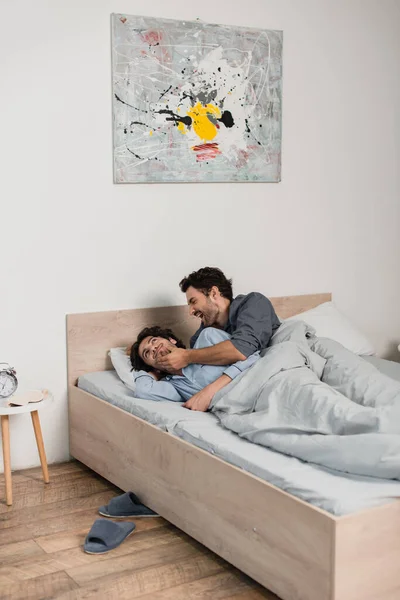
162	374
224	313
178	372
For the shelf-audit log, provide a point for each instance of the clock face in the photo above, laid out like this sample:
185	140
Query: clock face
8	384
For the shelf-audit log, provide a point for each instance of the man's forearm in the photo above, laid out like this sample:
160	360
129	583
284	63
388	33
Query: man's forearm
223	353
202	400
219	383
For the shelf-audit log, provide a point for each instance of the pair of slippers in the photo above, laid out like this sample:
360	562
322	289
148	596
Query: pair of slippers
106	535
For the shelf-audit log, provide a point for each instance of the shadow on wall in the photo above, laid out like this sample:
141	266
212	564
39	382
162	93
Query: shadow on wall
147	300
393	352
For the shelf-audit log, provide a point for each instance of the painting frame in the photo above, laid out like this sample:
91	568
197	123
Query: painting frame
205	108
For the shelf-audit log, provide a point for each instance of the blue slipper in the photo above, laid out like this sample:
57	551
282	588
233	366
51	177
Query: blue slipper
126	505
106	535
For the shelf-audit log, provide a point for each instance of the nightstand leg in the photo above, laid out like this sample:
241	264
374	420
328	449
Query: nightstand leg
5	436
40	445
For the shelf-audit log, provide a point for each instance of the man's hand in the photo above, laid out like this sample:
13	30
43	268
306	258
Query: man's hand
176	360
200	401
223	353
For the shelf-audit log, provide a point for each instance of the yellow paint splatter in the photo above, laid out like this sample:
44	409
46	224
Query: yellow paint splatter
203	127
151	132
182	128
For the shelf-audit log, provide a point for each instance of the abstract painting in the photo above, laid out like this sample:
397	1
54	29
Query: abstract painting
195	102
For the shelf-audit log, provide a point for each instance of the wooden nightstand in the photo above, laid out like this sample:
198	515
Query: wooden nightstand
5	412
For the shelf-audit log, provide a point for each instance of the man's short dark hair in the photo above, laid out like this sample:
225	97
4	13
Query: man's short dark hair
204	279
138	363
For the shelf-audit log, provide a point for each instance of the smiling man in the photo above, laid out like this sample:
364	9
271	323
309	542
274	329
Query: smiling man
152	383
250	320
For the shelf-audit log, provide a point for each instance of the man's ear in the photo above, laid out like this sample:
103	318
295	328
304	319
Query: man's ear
172	341
214	292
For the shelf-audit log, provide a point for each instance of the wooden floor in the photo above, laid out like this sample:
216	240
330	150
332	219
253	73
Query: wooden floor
41	556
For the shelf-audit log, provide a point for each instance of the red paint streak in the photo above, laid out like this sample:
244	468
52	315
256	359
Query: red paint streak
242	158
152	37
206	152
204	146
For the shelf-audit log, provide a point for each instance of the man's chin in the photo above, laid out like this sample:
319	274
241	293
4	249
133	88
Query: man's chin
207	323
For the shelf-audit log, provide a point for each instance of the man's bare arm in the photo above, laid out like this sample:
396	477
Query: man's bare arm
223	353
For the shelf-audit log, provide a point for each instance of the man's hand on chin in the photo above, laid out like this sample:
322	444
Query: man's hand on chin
200	401
175	360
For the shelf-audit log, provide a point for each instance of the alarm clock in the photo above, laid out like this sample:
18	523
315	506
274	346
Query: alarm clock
8	380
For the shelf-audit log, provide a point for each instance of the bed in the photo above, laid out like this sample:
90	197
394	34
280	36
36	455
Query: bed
294	548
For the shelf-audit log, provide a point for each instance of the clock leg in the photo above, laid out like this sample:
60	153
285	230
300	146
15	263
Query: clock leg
40	445
5	436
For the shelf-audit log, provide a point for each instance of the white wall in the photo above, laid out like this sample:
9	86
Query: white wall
71	241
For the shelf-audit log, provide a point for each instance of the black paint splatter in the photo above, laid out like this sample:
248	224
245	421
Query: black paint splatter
176	118
141	157
166	91
130	105
192	98
248	130
136	155
139	123
227	119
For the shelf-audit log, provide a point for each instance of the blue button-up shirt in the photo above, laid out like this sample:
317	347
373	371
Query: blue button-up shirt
180	388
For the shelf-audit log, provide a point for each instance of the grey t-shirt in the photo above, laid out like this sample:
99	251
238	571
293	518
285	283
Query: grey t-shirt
252	322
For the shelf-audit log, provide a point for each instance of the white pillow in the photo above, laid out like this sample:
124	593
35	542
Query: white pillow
329	322
122	364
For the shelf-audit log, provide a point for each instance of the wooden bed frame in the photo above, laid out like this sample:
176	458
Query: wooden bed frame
291	547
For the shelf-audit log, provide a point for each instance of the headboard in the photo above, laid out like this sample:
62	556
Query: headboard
91	335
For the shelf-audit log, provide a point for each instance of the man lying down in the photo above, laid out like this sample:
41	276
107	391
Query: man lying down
304	396
153	383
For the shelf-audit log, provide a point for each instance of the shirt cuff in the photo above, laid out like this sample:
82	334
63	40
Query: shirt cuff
244	347
232	371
